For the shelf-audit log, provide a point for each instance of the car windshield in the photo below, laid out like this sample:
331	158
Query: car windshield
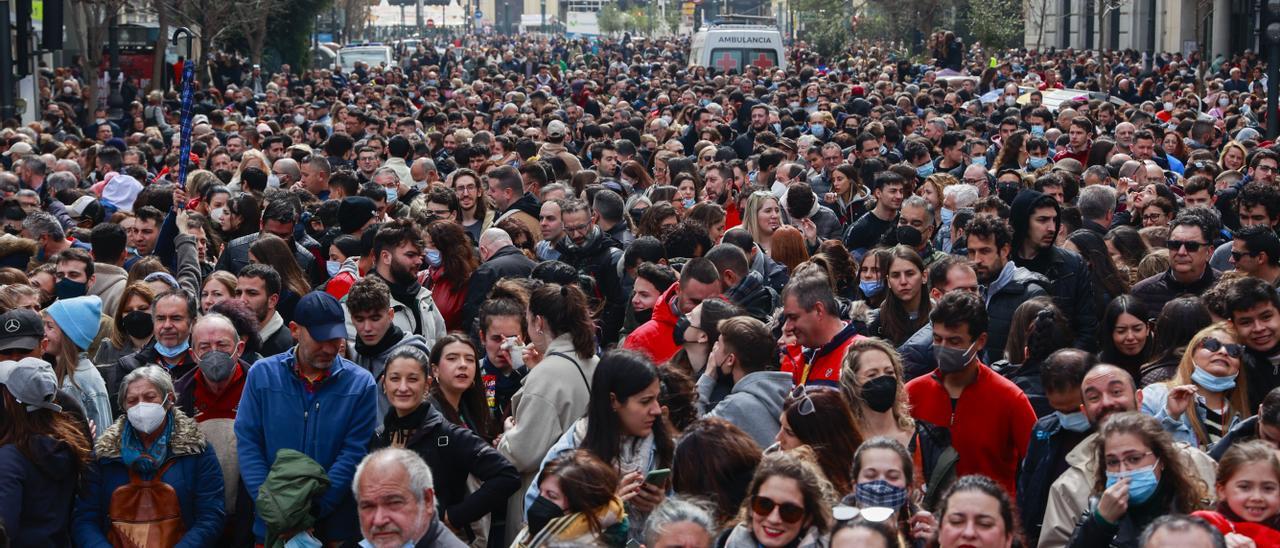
372	56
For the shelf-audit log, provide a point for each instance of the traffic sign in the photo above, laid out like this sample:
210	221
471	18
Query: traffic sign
479	15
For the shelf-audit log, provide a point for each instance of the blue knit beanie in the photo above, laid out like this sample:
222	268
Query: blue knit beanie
78	318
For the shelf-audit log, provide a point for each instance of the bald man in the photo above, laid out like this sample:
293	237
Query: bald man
1106	390
212	394
501	259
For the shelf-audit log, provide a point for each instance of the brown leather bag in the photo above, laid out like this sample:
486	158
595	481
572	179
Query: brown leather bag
145	513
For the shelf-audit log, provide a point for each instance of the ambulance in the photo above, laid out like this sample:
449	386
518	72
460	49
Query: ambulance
726	47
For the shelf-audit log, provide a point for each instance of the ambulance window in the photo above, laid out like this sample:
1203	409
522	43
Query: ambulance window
725	60
763	58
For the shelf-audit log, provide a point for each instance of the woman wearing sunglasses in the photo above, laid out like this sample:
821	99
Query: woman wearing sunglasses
786	505
1208	395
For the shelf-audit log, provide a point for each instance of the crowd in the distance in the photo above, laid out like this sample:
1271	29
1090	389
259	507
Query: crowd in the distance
519	291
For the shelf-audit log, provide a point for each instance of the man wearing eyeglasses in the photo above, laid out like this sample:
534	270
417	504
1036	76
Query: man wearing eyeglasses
1190	235
1263	166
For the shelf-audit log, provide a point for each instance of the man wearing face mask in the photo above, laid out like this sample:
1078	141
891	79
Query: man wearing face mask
989	417
398	254
289	398
211	396
949	274
1055	434
1106	390
171	314
744	354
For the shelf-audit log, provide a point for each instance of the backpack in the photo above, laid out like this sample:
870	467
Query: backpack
145	513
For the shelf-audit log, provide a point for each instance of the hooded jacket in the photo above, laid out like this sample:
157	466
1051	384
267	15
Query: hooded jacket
109	282
195	476
1069	495
526	210
375	365
751	293
35	494
1071	283
284	500
775	273
407	320
1000	307
598	257
754	404
656	337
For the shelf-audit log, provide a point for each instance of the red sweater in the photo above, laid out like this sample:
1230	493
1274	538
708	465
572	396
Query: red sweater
654	337
1259	533
990	424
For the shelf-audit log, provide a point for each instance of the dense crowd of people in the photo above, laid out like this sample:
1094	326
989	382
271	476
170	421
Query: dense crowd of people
528	291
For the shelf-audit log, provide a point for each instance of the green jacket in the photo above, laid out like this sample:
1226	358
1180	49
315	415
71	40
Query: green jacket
285	499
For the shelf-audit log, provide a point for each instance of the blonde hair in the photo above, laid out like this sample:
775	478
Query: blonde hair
1237	398
852	389
755	203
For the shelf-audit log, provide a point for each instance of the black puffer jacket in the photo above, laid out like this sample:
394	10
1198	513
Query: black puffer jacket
598	257
453	453
1071	282
1024	285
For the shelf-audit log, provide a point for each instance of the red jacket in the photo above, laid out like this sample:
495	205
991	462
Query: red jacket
448	299
654	337
826	362
1260	534
990	425
732	217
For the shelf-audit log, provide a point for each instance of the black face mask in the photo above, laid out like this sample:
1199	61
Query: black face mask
677	335
137	324
643	316
541	512
909	236
880	393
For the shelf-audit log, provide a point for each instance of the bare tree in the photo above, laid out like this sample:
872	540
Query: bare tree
211	20
254	28
94	17
1037	11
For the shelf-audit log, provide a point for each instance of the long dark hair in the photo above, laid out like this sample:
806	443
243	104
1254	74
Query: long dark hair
1007	158
620	375
473	401
895	320
723	479
565	309
269	249
21	428
830	431
1123	304
1179	320
1105	275
457	260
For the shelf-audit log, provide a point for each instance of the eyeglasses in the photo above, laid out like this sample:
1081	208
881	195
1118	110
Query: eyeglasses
1153	217
764	506
1213	345
1265	168
579	229
1191	246
1130	461
1237	255
804	404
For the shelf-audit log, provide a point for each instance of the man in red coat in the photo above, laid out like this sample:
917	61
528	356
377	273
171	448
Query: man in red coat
699	280
989	417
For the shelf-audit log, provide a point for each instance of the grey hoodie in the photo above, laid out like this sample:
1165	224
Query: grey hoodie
376	364
754	404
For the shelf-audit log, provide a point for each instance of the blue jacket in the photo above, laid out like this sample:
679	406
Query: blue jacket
35	494
196	476
333	426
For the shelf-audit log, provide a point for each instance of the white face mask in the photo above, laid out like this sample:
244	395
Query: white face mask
217	213
1222	102
146	417
273	181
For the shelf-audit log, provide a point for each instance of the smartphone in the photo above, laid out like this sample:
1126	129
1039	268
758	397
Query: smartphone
657	477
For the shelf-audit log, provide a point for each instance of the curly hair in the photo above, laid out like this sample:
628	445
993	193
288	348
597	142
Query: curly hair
1188	489
798	465
851	389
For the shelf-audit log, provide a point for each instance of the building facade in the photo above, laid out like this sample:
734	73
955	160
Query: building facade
1225	26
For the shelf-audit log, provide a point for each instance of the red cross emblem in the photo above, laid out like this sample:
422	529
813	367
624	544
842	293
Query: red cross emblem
763	61
727	62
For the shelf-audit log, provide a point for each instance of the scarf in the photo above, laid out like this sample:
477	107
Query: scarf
406	294
393	336
145	460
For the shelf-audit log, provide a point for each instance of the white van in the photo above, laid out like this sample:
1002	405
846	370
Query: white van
372	55
733	46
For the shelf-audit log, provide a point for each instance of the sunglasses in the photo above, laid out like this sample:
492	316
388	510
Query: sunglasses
764	506
1237	255
805	403
876	514
1213	345
1191	246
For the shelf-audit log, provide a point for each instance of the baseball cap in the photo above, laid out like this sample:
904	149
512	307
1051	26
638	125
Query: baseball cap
20	329
556	129
31	382
321	314
20	148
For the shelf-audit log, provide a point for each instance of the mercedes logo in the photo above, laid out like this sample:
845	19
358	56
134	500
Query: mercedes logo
11	326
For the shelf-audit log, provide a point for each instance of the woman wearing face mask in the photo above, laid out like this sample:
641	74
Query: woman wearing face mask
70	325
869	382
453	452
1141	476
133	325
687	189
577	504
153	441
451	261
623	427
1208	395
870	284
884	478
787	505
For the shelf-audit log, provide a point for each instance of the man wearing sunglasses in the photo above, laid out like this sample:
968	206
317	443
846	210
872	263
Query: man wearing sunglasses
1255	250
989	417
1190	237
